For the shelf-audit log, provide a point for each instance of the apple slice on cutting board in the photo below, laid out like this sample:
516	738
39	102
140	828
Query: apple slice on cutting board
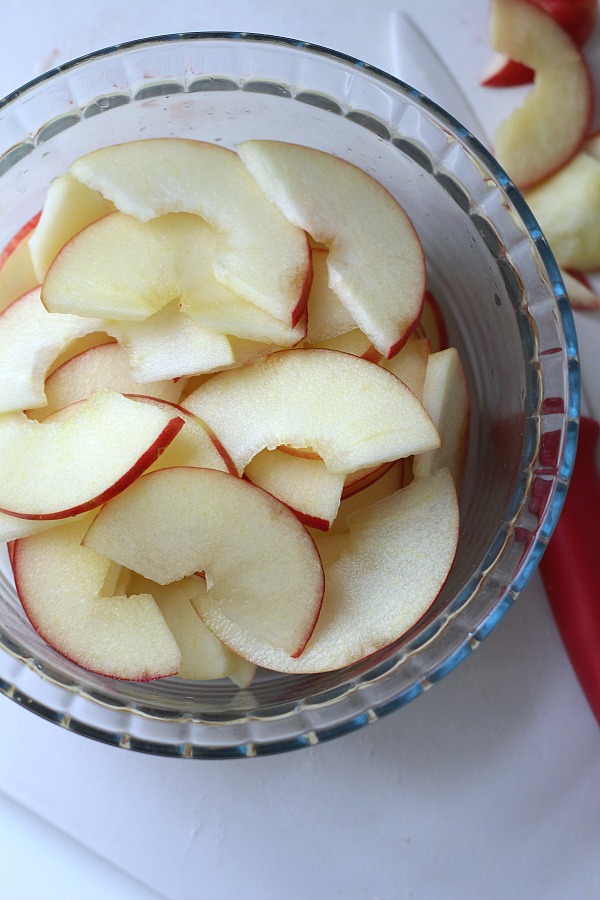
59	583
395	562
30	340
351	412
364	227
262	568
52	470
541	135
265	259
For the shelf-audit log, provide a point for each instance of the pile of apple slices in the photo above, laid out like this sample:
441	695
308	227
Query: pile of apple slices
544	144
225	438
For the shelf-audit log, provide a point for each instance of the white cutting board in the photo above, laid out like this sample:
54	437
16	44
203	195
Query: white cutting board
486	787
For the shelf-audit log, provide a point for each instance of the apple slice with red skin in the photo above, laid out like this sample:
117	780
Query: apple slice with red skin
265	259
374	234
304	485
327	316
581	295
576	17
355	342
203	656
446	398
68	208
351	412
169	344
388	482
566	207
17	275
104	367
547	130
395	561
30	340
433	324
262	568
192	446
59	583
410	365
91	454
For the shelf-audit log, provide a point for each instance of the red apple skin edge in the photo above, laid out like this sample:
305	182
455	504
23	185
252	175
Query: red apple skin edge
397	347
302	304
179	408
15	564
18	238
151	455
576	17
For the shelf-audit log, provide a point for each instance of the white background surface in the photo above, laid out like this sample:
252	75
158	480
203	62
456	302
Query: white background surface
486	787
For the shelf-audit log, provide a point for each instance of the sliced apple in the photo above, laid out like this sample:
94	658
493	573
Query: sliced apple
116	268
396	559
566	207
203	656
68	208
446	398
265	259
351	412
390	481
59	584
169	344
104	367
581	295
355	342
30	339
262	568
17	276
576	17
364	227
358	481
433	324
304	485
410	365
541	135
194	445
327	316
51	470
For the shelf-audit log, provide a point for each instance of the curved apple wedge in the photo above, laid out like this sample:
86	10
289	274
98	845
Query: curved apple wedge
101	368
52	470
30	340
351	412
543	133
395	561
265	259
262	567
203	656
303	484
364	227
60	587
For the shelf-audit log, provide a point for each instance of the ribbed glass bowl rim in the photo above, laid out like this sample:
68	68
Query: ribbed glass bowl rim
531	558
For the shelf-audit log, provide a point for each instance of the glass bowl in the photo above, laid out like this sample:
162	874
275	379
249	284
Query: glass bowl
505	308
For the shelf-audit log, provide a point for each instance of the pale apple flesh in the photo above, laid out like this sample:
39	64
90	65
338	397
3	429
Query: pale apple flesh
395	562
93	453
373	234
541	135
59	583
30	340
262	568
104	367
259	406
266	260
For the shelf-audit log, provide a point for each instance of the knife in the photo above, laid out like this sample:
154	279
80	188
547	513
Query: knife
570	566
